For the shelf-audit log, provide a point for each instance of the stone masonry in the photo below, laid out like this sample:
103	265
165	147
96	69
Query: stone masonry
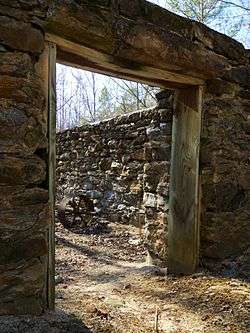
224	163
123	164
24	210
134	38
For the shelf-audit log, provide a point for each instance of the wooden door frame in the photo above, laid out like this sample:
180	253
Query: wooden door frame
47	70
184	216
184	203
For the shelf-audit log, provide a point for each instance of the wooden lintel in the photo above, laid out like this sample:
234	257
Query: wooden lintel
73	54
72	60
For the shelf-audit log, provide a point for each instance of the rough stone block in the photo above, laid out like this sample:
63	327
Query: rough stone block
15	64
163	94
23	90
20	132
224	235
20	36
18	170
24	249
20	196
149	200
240	75
21	221
21	288
153	174
31	305
220	87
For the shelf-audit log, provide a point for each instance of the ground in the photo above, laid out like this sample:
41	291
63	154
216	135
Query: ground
104	285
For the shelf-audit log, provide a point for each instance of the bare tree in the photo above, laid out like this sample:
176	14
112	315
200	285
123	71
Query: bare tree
85	97
139	95
87	93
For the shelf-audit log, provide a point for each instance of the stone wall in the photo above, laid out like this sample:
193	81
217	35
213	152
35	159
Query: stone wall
24	212
123	164
137	39
225	151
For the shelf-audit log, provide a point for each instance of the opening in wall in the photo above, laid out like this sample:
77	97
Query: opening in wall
183	218
113	147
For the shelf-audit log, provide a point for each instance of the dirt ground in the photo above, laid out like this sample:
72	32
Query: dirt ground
104	285
103	281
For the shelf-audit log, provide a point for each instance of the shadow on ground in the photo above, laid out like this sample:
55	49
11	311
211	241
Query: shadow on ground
56	322
99	256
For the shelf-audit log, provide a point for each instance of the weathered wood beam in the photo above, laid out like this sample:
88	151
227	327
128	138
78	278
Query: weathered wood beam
52	168
74	60
137	44
47	71
75	55
183	228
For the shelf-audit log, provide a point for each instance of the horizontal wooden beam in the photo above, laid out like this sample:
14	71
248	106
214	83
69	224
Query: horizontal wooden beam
142	37
80	56
73	60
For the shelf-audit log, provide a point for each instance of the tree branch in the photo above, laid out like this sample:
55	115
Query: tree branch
235	5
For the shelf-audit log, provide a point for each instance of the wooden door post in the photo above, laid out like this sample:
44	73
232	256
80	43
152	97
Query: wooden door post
51	168
183	229
46	68
47	72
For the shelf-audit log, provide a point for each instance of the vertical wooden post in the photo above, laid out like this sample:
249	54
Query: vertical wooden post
51	49
46	69
183	229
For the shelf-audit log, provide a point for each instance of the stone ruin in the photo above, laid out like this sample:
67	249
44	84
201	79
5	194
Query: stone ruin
136	40
123	164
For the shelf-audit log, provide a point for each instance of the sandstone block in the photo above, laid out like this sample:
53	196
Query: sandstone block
21	288
224	235
20	222
20	36
149	200
22	90
240	75
223	197
15	64
18	171
31	305
220	87
153	173
157	151
24	249
20	196
20	133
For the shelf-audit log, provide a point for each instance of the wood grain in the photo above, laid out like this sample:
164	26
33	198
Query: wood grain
72	54
52	167
46	69
183	232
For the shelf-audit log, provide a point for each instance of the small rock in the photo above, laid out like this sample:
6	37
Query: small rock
58	279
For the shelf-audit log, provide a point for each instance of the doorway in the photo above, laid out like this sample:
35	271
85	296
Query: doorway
183	230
